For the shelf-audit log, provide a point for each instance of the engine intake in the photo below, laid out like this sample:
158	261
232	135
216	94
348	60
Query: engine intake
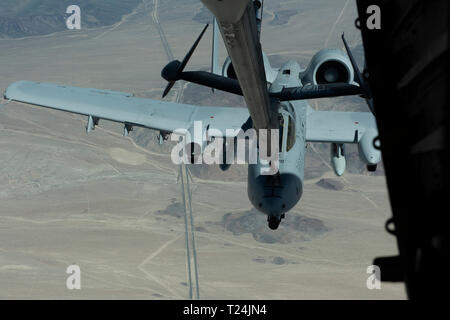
332	72
329	66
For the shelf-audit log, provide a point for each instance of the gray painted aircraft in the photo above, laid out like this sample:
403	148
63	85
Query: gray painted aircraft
275	98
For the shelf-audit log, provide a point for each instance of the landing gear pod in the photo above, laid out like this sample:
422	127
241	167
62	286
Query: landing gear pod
367	152
338	158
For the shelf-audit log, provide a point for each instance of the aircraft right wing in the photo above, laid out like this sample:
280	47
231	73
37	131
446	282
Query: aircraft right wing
125	108
338	127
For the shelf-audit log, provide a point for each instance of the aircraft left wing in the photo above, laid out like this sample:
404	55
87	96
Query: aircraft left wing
124	107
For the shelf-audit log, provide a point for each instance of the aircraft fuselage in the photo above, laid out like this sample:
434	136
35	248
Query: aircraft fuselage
276	194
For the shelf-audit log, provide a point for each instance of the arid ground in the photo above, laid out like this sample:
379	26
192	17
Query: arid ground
112	205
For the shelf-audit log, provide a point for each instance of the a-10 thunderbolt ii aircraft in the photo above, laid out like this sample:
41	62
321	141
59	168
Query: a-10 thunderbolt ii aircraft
275	99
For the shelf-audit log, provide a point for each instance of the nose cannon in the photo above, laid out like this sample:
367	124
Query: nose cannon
274	221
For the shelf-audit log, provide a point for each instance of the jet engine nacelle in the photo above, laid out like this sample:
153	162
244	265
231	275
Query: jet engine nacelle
338	158
367	151
328	66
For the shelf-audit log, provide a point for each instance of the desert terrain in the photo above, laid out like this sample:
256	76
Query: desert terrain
112	204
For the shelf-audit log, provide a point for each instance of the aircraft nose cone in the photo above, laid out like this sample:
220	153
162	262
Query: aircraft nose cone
273	206
275	195
278	194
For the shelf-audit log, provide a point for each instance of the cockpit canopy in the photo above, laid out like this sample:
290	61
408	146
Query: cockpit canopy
287	131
